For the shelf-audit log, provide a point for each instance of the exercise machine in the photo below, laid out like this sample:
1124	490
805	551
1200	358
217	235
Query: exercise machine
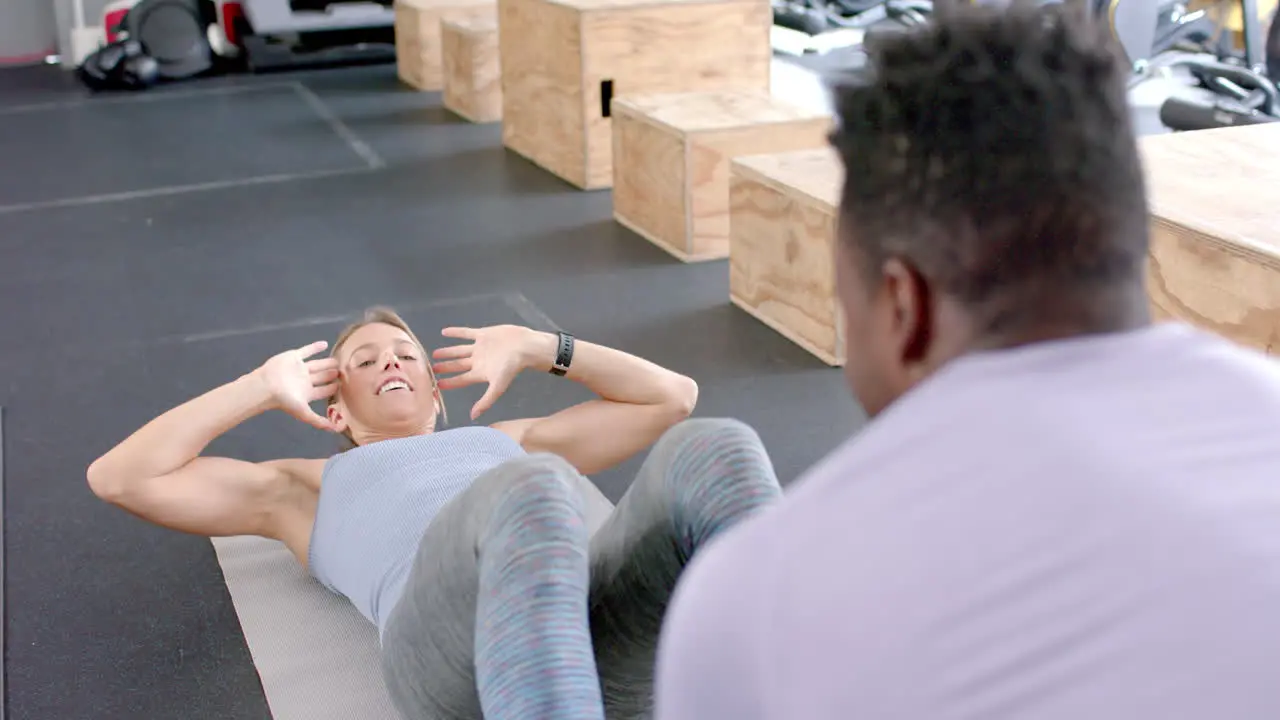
1143	27
279	34
1272	48
1246	106
820	26
151	41
1242	88
1178	28
815	17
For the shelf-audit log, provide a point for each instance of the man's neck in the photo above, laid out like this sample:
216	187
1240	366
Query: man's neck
1049	318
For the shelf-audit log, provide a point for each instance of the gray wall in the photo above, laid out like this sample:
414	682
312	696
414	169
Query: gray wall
27	28
65	14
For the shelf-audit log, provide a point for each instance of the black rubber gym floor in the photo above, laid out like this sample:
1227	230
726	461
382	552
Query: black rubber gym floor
152	246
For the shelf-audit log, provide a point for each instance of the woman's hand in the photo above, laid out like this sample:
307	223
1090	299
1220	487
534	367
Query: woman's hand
295	382
496	356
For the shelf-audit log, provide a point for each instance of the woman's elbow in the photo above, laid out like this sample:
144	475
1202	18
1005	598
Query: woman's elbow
683	397
103	482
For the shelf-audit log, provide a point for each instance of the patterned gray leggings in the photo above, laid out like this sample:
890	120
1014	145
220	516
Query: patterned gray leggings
532	598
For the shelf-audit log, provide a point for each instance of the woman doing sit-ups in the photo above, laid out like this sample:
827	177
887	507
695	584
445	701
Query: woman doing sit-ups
502	584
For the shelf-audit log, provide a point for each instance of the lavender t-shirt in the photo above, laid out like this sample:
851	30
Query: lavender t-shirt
1077	530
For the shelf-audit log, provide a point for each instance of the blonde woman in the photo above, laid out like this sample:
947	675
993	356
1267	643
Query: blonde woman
502	583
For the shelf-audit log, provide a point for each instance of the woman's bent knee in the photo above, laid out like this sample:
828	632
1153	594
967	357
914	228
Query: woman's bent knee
716	473
699	443
711	433
539	475
719	450
541	487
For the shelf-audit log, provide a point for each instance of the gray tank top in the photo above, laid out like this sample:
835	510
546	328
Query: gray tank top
376	502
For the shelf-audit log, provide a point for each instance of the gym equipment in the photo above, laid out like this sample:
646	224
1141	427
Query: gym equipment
1144	28
224	32
1241	97
1133	24
1254	48
819	26
153	41
113	18
279	34
1272	50
1179	28
174	33
814	17
1185	114
1243	93
121	65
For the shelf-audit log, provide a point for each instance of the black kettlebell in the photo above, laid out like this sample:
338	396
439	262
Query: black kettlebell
140	72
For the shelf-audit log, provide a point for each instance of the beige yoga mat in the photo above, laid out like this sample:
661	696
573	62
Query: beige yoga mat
317	656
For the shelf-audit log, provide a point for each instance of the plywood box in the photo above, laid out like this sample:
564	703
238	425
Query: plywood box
472	85
419	55
671	156
781	236
565	61
1215	231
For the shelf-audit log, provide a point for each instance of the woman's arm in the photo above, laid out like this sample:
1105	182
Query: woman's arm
637	399
157	472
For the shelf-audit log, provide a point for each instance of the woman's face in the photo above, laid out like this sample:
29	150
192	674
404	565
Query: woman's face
385	385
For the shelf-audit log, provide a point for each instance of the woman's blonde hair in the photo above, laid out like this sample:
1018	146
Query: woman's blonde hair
386	316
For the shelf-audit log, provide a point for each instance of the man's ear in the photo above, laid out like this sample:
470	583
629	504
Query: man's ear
911	305
334	413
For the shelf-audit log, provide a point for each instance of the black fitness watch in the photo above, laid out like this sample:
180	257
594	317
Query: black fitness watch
564	355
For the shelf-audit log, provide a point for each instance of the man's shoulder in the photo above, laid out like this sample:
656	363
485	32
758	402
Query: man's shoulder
741	552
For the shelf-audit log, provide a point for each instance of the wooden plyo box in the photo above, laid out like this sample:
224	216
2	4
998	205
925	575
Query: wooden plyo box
419	56
781	237
671	156
1215	231
565	61
472	84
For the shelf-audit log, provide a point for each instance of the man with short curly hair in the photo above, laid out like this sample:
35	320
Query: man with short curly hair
1058	509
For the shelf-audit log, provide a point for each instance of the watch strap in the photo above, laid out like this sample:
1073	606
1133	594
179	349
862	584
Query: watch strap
564	355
